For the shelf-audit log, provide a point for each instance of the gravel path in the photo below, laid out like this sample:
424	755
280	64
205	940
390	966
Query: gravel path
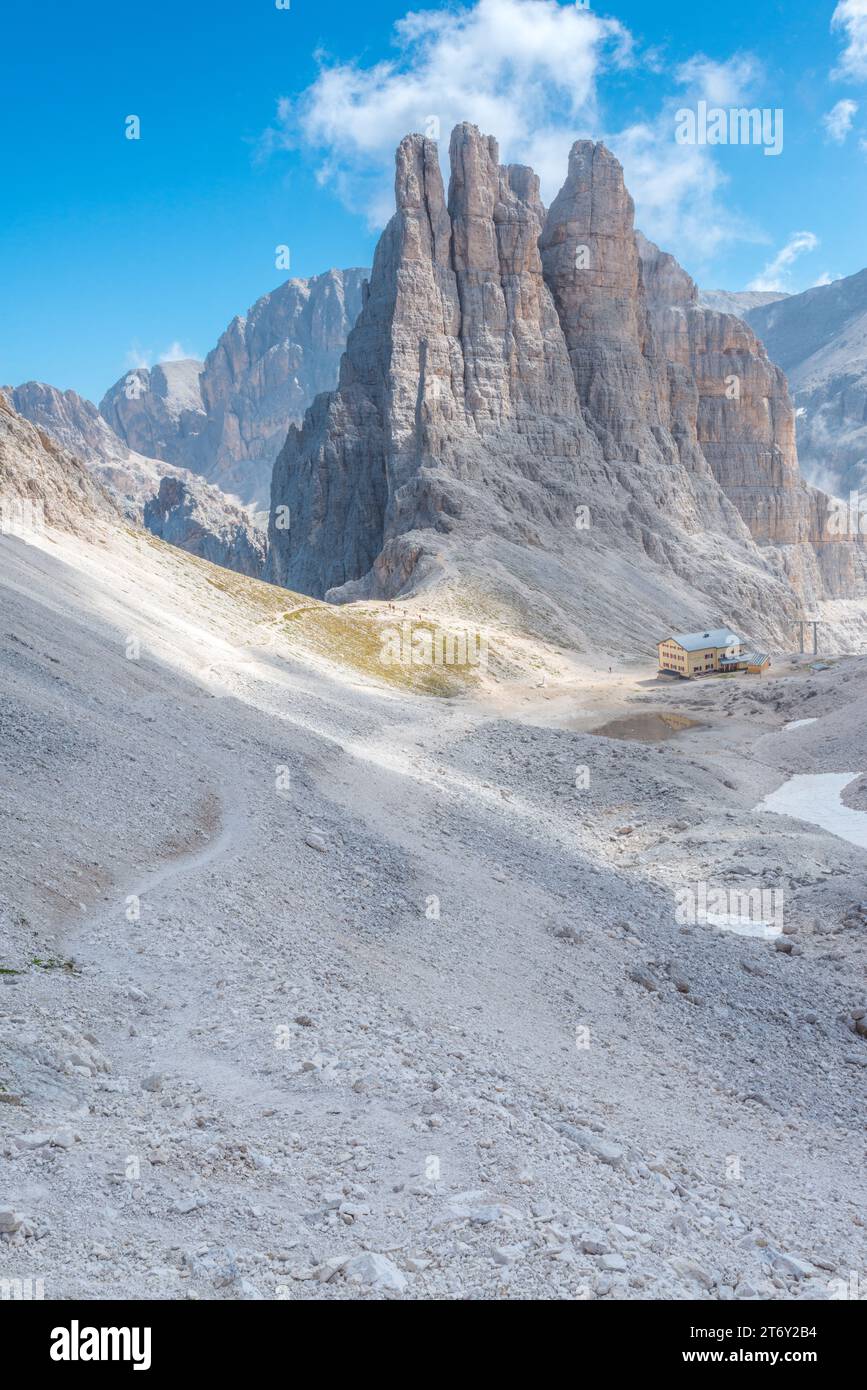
328	991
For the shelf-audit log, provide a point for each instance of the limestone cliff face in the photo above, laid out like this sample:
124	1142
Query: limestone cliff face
266	370
457	356
509	371
819	338
158	411
73	421
746	431
591	266
745	421
226	418
76	424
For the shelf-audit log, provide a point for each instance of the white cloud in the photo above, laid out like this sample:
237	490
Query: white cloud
523	70
775	275
838	121
676	187
721	84
528	72
175	352
137	356
851	17
675	190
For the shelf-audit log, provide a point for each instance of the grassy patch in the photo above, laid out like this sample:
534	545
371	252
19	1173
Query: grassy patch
355	640
349	635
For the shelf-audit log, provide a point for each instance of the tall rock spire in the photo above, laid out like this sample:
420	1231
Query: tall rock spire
517	417
592	268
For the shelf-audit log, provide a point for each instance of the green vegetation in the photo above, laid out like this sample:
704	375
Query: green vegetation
54	964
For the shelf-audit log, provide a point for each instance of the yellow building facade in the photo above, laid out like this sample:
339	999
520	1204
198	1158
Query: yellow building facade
699	653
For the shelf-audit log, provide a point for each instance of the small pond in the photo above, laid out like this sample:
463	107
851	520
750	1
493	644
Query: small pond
648	726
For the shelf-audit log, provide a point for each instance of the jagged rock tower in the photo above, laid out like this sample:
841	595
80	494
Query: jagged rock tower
513	372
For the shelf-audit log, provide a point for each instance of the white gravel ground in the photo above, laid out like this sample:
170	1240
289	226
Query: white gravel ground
326	990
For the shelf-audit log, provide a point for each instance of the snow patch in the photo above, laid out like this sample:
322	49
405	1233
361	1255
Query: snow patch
743	926
816	798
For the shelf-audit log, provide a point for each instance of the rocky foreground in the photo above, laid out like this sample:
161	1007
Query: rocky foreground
318	988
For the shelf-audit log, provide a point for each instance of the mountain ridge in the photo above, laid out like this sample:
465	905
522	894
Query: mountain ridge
508	368
169	501
226	418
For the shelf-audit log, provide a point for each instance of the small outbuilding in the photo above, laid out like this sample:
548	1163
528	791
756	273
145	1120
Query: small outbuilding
756	663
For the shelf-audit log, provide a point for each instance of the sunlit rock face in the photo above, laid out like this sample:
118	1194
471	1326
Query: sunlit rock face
194	516
532	402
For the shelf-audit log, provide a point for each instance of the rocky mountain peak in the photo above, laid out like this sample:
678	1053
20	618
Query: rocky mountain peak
739	302
475	189
665	282
151	408
74	422
197	517
591	264
226	418
820	339
513	367
588	245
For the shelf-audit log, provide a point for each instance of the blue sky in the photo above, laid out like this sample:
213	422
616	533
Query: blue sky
262	126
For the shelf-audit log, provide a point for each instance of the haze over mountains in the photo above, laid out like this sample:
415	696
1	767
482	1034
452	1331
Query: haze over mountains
214	428
738	302
819	338
36	470
227	418
172	502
